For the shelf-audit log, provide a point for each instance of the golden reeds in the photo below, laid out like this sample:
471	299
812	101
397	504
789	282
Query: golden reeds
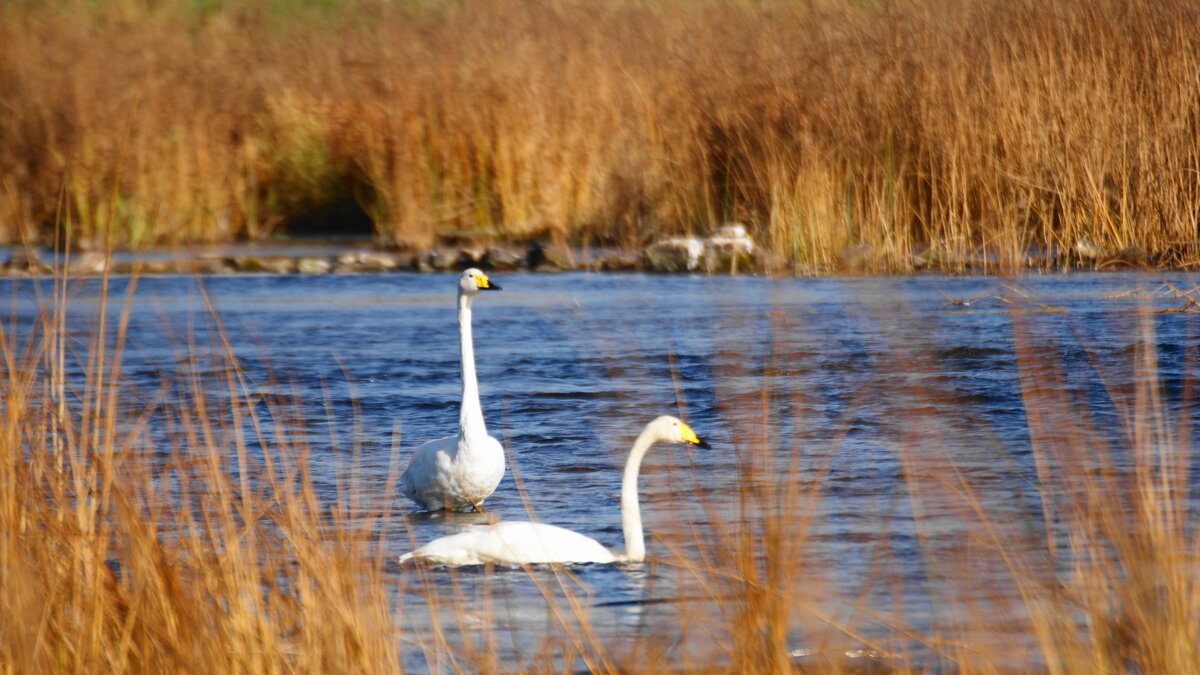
181	549
900	134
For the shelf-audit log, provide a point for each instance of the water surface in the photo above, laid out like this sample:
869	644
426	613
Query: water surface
843	385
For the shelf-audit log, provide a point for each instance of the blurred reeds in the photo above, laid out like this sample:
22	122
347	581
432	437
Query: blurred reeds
181	530
898	134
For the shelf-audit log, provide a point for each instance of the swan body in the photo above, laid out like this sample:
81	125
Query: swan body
519	543
459	472
515	543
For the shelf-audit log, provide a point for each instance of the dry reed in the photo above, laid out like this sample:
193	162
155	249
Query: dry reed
143	531
896	135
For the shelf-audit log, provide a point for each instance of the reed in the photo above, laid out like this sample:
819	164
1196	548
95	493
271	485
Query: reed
181	528
904	134
168	530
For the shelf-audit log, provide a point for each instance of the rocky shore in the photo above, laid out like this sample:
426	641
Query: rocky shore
728	250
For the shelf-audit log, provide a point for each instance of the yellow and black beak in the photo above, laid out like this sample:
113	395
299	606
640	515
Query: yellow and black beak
690	436
485	284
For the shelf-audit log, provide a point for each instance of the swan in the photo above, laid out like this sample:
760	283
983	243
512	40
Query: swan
459	472
518	543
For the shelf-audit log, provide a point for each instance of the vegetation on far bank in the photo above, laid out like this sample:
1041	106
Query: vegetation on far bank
892	132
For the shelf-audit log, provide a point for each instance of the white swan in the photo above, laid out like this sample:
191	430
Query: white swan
519	543
459	472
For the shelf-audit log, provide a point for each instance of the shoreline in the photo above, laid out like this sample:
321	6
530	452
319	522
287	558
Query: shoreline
348	258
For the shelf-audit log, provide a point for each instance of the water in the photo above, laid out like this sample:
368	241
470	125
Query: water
861	383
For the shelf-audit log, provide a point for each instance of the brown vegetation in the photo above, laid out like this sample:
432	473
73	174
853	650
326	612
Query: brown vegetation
123	553
985	128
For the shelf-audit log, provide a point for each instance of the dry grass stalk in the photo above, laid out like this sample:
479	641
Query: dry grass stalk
971	132
151	531
128	550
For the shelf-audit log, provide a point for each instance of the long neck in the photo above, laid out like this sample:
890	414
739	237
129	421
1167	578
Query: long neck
631	515
470	419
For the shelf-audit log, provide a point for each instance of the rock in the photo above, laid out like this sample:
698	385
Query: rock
268	264
26	261
379	259
618	261
732	235
1133	255
434	260
501	258
469	257
313	266
729	249
774	264
1039	257
679	254
859	257
544	258
89	263
940	260
156	267
218	266
368	261
922	258
1086	251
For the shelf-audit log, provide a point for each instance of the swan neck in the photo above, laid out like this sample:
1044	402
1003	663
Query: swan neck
631	515
470	420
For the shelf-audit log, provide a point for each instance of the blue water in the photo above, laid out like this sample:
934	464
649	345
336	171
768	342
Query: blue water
859	389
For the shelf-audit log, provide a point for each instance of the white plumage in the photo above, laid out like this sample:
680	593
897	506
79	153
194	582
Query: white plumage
459	472
519	543
513	542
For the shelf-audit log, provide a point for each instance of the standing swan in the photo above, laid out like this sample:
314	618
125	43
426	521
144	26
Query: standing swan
518	543
459	472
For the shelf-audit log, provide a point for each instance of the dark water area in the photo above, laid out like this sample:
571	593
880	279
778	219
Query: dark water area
847	384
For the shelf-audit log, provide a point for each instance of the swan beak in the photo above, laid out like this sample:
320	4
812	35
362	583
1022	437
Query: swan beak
484	284
690	436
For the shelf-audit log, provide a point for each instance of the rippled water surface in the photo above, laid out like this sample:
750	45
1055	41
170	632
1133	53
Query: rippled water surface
842	385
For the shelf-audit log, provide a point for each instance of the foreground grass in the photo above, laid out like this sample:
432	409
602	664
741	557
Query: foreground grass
181	530
896	134
189	554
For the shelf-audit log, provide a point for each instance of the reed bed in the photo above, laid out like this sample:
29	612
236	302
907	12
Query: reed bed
893	134
199	546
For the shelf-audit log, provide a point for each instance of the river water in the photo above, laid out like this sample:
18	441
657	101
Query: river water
867	400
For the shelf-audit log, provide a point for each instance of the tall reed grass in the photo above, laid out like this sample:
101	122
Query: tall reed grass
905	133
182	529
174	530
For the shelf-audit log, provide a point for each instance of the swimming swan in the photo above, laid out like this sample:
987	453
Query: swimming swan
519	543
459	472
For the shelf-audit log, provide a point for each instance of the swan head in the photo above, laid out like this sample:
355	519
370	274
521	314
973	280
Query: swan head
668	429
473	280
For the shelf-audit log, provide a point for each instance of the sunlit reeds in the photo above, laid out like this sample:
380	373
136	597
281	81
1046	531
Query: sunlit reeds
908	134
167	530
